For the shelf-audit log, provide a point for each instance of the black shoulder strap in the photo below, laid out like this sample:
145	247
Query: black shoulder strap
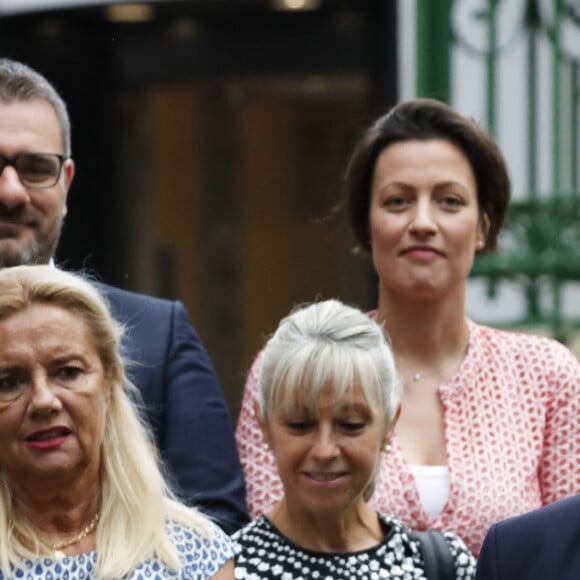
437	558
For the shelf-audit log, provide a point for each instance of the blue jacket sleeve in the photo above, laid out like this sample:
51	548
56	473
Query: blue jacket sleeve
487	565
198	442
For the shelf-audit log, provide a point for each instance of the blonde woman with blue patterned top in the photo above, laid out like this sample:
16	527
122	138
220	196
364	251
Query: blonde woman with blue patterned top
82	493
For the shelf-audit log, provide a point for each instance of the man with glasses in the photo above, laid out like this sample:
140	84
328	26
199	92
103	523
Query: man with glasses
36	170
182	397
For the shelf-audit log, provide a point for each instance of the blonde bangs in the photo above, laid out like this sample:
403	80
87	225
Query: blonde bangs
297	388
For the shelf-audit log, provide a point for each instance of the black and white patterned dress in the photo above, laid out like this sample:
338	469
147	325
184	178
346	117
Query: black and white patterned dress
267	554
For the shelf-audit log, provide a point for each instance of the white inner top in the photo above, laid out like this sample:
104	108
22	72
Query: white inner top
433	484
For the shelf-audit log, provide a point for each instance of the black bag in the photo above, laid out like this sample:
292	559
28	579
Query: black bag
437	558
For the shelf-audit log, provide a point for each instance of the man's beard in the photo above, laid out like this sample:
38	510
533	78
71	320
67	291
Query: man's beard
20	257
38	251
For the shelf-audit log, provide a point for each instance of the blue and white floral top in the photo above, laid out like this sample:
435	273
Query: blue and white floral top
201	558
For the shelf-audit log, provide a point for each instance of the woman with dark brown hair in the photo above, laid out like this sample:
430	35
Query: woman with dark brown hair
488	426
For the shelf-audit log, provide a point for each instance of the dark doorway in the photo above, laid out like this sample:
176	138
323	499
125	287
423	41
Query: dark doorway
210	141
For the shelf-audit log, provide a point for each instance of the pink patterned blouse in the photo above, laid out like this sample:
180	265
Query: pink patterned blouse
512	428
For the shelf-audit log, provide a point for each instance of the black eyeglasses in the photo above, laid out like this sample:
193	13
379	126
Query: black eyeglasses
35	170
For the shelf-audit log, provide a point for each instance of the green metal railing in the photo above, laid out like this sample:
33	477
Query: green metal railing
540	243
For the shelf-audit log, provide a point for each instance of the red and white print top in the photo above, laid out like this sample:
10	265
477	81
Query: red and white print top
512	431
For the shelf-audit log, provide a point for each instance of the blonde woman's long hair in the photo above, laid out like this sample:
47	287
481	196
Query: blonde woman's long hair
136	500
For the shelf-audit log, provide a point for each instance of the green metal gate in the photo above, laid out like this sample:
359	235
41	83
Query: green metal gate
540	244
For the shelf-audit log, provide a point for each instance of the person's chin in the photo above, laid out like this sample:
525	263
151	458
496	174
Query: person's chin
16	252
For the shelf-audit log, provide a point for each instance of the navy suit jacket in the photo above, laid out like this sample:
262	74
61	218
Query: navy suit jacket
184	404
540	545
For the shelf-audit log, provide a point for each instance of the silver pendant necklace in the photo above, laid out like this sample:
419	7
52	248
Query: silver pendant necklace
416	376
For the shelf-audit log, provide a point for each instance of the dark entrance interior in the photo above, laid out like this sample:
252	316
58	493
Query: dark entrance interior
210	141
